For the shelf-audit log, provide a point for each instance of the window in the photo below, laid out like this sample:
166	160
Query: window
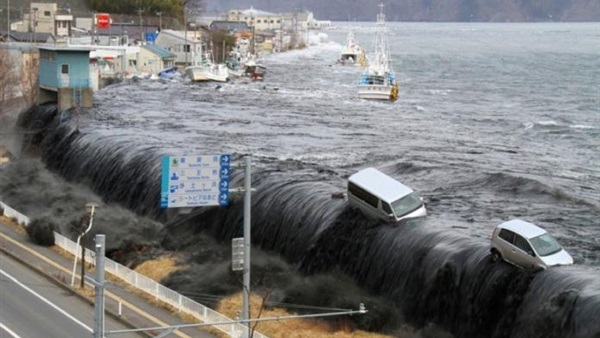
46	13
506	235
186	48
258	21
272	21
362	194
133	63
522	244
407	204
64	69
386	207
545	245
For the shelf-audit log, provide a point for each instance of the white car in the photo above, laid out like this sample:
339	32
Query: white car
528	246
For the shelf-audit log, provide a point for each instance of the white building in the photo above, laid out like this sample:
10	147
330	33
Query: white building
45	18
260	20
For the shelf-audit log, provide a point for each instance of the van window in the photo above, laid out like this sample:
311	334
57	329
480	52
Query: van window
407	204
362	194
386	207
506	235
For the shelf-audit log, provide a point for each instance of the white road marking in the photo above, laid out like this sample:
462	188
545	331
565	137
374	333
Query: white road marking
46	301
10	332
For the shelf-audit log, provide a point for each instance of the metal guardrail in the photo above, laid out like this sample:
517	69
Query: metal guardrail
143	283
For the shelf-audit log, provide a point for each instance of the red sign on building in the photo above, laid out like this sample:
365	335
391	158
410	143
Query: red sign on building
103	20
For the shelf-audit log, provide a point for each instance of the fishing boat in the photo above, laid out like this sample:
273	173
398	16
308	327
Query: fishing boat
352	53
378	80
255	71
203	69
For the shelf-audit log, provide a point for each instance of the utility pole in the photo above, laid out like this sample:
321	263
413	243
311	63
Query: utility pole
140	11
159	20
281	35
253	35
99	288
8	18
186	48
247	206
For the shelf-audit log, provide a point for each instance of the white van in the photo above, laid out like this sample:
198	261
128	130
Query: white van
378	195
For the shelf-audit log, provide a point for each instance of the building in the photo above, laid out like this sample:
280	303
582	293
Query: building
64	77
30	37
45	18
230	26
184	47
154	58
260	20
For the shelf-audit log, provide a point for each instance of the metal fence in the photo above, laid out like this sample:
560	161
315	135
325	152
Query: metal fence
143	283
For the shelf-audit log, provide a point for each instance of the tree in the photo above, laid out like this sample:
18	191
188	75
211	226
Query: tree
29	78
9	79
222	42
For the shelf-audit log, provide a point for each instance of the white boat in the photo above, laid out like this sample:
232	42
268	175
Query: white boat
352	53
203	69
378	80
235	65
255	71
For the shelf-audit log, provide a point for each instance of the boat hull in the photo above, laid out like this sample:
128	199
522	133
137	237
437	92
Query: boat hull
378	92
203	74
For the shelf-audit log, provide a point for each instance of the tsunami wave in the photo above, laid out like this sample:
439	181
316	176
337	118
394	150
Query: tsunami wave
430	275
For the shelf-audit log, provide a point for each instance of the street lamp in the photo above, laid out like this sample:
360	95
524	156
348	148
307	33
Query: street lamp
91	208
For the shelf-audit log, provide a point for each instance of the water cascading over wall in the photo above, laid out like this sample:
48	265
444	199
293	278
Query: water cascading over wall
431	276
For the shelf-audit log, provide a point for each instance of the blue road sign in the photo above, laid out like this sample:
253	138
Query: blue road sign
194	181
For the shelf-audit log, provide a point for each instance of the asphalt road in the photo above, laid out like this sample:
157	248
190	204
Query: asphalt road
32	306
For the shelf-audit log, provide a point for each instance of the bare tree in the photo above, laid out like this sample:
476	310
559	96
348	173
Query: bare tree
18	79
29	77
9	80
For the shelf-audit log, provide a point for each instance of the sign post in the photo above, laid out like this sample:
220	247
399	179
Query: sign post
195	181
246	276
103	20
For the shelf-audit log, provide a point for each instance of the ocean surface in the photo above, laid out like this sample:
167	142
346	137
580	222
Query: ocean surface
493	122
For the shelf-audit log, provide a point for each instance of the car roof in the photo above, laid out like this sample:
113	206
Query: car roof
525	229
380	184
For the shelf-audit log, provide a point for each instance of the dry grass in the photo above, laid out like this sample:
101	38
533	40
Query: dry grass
12	223
290	328
157	269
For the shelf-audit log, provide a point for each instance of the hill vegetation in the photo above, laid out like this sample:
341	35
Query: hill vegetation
172	8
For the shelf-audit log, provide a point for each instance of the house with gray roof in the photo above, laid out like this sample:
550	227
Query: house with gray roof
31	37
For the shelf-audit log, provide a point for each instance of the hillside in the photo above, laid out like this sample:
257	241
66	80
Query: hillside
430	10
406	10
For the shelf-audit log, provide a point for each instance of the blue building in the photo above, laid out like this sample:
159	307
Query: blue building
64	77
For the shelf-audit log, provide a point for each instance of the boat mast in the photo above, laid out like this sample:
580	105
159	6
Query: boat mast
381	48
